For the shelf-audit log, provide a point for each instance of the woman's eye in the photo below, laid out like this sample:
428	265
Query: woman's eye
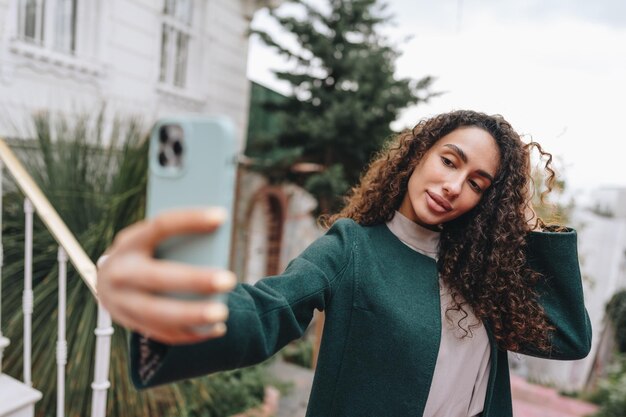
475	186
447	162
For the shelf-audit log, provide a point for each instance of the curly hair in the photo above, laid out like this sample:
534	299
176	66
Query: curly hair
481	255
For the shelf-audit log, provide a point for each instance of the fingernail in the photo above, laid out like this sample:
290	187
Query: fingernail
220	329
216	312
216	214
101	260
224	280
210	330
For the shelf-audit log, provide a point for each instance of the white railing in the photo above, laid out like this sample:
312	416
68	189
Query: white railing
69	249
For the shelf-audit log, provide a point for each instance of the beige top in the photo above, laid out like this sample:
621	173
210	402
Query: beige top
461	373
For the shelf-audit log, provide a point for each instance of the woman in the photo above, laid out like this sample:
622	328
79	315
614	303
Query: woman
427	277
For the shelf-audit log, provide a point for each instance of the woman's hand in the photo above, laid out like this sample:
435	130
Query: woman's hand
131	282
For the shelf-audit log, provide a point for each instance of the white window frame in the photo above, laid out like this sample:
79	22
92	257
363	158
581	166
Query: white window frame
66	34
49	31
174	63
81	51
38	35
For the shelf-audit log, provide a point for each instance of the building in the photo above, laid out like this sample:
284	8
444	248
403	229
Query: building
610	202
144	57
274	220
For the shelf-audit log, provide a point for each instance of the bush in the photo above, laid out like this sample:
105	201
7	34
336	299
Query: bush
611	392
226	393
616	312
299	352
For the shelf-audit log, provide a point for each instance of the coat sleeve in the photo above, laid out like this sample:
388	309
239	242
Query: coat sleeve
263	318
555	256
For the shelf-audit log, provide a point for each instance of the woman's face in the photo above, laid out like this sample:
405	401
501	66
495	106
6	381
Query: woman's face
451	177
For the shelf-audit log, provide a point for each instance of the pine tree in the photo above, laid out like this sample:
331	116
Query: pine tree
345	96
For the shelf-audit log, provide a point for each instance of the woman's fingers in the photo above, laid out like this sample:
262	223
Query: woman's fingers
168	319
174	336
167	311
132	284
161	276
148	233
187	336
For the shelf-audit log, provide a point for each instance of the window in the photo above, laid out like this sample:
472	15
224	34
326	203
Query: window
175	39
31	20
48	23
65	26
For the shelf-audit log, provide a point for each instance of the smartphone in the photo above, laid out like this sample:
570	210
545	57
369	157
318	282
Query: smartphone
192	164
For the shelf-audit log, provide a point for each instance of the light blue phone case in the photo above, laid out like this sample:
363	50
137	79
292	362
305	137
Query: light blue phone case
203	176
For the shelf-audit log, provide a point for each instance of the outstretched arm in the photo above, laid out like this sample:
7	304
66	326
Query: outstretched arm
262	318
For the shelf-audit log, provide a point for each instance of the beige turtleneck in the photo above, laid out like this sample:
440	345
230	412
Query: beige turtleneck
461	375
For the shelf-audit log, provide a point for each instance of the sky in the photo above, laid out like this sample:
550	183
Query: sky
555	69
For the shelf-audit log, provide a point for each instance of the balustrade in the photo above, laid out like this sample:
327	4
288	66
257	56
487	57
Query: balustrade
69	250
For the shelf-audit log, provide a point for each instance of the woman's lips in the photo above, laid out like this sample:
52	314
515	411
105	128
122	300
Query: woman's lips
438	203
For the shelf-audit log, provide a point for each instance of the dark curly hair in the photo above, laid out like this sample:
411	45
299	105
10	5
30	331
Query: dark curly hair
481	253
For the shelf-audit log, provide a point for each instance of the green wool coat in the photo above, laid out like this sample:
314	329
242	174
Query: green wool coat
383	323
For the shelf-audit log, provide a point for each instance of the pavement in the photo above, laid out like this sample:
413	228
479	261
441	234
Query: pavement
529	400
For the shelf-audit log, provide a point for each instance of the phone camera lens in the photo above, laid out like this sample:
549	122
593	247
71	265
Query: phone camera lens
177	147
162	159
163	135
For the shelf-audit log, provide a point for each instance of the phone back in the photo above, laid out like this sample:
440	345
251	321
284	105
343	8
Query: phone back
193	165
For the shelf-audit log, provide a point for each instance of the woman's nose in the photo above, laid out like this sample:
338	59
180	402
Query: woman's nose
452	187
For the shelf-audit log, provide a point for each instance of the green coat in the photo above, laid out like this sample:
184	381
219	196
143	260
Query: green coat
383	323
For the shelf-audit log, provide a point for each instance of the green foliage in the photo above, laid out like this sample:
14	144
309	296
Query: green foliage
345	95
611	392
299	352
94	174
96	189
226	393
616	312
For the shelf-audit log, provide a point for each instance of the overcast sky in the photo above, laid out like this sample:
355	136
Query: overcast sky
555	69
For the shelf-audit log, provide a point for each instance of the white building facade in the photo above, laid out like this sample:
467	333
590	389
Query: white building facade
140	57
610	201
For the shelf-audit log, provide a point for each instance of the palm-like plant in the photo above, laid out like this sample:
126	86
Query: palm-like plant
97	184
